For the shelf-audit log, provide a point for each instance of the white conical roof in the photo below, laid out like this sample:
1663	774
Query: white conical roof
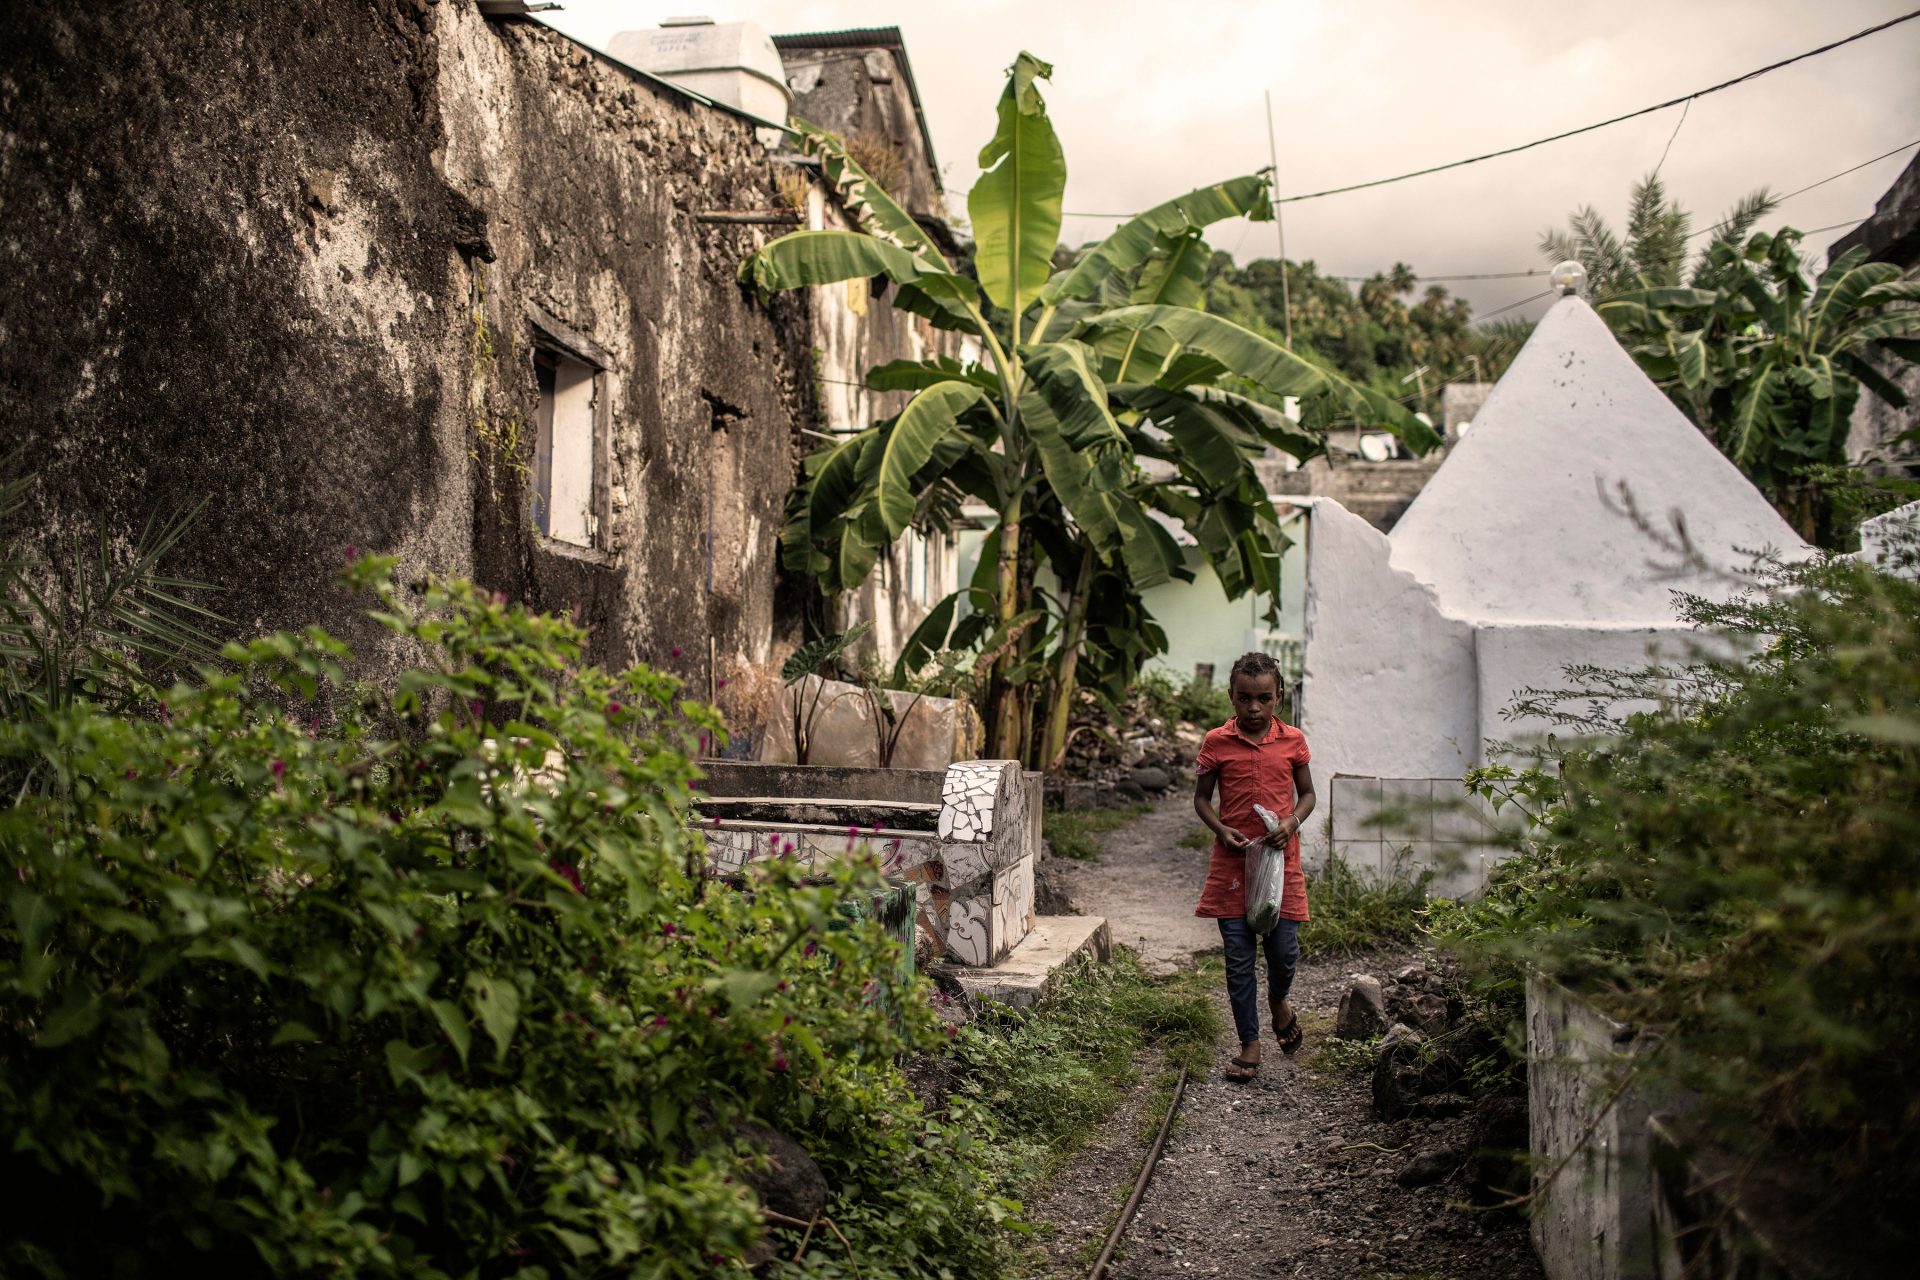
1513	526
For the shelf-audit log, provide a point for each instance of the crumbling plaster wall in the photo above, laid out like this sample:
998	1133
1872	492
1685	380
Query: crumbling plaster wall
1390	684
230	279
592	179
248	246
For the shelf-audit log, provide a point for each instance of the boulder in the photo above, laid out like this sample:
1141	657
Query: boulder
1151	778
1416	1007
1433	1165
1363	1010
1407	1068
1497	1151
1441	1106
788	1181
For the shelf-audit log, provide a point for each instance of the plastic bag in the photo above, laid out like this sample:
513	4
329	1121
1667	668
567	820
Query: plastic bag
1266	876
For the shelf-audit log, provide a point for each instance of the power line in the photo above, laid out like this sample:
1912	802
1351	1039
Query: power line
1780	200
1470	275
1631	115
1512	305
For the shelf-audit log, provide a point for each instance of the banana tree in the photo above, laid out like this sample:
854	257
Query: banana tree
1087	370
1770	366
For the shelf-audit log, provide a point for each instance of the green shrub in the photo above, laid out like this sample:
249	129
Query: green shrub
1354	912
436	988
1739	870
1204	703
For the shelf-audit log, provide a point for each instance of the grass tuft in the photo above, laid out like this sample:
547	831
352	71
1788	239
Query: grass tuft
1044	1079
1071	832
1354	911
1198	838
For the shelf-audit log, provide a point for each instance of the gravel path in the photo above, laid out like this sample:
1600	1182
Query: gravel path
1289	1176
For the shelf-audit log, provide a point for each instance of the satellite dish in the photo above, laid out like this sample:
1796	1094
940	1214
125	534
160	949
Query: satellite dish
1376	448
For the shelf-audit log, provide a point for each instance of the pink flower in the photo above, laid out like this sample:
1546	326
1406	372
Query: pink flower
719	684
675	651
279	769
667	930
659	1019
353	553
779	1062
477	708
811	947
132	774
952	1031
569	873
613	708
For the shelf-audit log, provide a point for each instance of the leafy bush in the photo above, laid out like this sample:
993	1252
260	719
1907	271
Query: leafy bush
1201	702
1737	870
435	989
1353	912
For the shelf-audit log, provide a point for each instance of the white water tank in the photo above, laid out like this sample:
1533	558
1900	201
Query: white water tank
730	62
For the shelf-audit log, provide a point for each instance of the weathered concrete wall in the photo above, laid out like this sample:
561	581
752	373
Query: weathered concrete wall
289	259
1378	492
1592	1214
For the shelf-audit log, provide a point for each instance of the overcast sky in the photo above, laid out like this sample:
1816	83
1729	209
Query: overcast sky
1154	99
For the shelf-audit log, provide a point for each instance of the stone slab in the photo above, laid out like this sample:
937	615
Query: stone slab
1053	943
820	783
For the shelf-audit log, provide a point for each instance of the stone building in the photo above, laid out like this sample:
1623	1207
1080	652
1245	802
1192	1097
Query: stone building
407	277
1892	234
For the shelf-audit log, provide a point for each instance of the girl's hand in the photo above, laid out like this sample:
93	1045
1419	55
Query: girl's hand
1235	841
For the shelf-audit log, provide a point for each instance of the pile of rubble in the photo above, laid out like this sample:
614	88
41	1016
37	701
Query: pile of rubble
1432	1062
1141	761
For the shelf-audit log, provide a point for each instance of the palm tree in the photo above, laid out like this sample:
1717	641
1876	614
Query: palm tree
1654	250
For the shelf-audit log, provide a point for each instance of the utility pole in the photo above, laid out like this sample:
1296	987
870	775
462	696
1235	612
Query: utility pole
1279	224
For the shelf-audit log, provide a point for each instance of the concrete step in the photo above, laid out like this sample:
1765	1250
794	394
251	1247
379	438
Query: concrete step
1051	945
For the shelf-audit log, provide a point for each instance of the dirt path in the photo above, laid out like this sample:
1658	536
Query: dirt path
1145	885
1289	1176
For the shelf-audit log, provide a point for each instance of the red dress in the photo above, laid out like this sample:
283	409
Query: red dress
1250	773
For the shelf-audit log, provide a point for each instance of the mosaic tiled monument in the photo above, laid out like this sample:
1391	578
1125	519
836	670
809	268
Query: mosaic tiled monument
967	838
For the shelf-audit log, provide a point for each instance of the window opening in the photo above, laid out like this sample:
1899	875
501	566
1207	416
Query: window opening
564	448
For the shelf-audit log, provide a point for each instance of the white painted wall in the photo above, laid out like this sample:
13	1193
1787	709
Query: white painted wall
1513	527
1892	541
1513	658
1390	688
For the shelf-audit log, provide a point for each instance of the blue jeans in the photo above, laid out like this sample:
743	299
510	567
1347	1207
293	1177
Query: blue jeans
1243	946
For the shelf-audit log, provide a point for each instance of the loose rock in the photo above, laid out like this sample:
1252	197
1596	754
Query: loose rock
1363	1011
1151	778
1429	1167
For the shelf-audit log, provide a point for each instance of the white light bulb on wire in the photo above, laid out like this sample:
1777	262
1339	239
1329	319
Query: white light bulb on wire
1570	278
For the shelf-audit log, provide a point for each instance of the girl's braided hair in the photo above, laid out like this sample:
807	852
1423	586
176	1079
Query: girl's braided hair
1254	665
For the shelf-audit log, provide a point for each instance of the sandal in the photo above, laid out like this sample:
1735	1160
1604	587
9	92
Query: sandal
1248	1070
1291	1037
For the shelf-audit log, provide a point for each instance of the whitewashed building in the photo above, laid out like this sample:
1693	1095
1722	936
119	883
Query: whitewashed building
1516	560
